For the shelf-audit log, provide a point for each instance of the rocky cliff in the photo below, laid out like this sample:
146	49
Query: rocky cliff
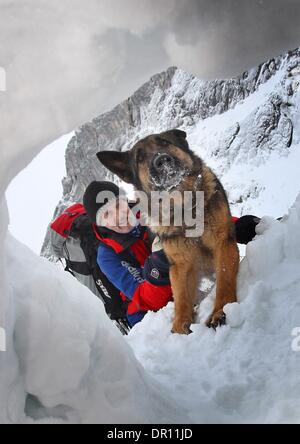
236	120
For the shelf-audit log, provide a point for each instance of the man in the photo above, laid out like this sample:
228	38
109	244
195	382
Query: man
73	239
125	255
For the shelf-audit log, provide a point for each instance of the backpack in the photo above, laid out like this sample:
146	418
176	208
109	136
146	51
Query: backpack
73	238
63	224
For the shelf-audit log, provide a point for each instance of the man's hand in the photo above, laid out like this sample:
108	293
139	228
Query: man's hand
157	245
156	267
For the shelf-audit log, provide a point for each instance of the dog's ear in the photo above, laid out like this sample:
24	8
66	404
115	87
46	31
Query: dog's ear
176	137
118	163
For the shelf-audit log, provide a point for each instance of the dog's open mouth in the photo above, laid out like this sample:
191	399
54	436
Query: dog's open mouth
167	172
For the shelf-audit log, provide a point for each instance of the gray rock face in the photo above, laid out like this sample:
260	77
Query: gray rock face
176	99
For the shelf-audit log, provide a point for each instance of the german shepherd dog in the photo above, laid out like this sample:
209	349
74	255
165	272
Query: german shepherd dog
147	166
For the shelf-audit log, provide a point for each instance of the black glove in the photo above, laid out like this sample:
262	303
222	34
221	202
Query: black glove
156	269
245	229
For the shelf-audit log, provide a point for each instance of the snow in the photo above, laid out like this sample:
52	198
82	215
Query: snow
254	163
247	371
64	361
72	361
234	314
170	176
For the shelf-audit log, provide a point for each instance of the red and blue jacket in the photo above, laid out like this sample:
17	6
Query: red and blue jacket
122	258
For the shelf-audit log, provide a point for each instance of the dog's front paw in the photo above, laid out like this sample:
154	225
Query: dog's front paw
181	327
216	319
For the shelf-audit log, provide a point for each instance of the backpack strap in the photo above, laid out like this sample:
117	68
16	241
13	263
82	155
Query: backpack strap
66	267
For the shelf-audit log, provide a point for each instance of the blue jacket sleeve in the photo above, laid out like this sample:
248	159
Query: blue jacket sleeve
121	274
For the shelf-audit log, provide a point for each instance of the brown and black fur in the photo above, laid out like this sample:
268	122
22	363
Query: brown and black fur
191	259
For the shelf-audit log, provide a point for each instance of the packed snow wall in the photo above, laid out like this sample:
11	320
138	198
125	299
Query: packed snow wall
64	361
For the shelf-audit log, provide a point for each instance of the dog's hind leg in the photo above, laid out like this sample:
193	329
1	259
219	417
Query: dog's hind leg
227	265
194	281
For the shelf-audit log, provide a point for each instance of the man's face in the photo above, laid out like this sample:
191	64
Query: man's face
117	216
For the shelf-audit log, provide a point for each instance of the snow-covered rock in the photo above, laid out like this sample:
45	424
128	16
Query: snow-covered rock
245	128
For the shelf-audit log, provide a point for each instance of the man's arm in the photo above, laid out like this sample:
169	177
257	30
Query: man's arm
143	294
121	274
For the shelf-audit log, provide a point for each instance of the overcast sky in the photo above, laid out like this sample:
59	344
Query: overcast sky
127	41
116	45
34	193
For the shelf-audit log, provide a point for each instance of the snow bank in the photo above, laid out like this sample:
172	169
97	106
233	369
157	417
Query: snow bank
64	360
73	364
248	370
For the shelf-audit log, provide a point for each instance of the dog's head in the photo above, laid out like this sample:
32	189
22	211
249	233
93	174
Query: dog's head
159	162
